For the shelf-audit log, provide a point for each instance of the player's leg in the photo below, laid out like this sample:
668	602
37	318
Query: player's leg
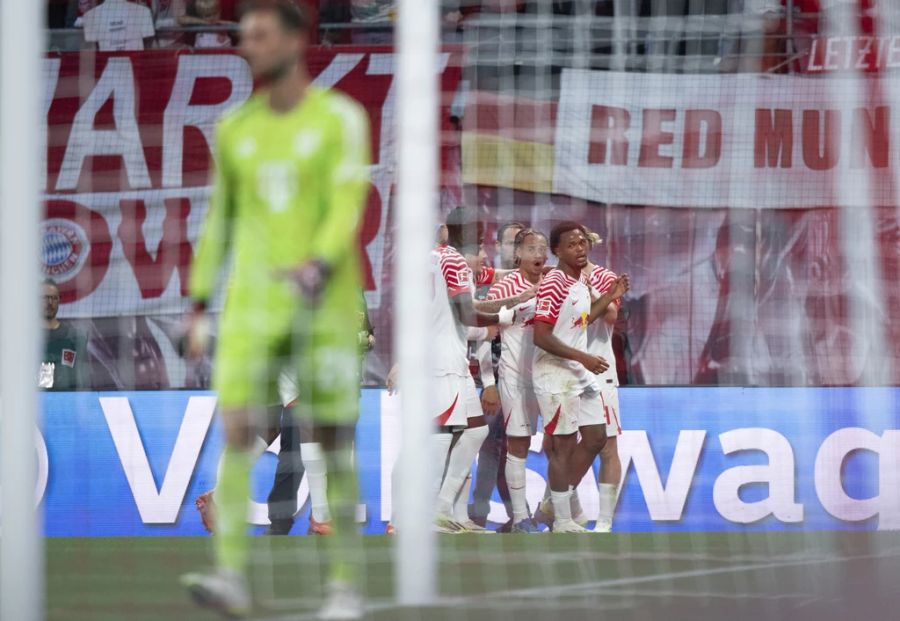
282	500
610	465
317	476
462	453
560	415
592	425
242	374
488	470
520	423
329	398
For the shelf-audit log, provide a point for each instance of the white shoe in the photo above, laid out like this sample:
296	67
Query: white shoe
224	591
475	529
581	519
342	603
603	526
568	526
445	524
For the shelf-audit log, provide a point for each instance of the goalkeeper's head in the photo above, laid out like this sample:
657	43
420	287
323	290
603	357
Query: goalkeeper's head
274	37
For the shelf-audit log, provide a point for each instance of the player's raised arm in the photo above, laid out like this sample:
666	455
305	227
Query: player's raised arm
463	305
600	306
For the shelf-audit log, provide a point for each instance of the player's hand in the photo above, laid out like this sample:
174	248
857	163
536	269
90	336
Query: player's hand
309	279
506	317
621	286
391	381
197	335
526	295
594	364
371	342
490	400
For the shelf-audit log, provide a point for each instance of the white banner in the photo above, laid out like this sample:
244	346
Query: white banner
749	141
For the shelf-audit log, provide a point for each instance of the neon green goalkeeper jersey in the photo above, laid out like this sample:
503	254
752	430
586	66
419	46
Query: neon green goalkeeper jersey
290	187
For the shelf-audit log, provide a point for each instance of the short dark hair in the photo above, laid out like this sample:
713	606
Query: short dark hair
562	228
462	216
460	224
49	282
501	230
292	16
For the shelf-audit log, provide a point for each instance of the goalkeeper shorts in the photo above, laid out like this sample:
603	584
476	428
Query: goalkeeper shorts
324	361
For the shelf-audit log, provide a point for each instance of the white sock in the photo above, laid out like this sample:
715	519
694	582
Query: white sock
461	506
575	504
515	480
609	494
441	445
256	450
460	466
317	477
561	506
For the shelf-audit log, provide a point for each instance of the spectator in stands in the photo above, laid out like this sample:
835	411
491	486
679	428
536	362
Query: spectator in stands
208	13
166	15
65	362
370	13
119	25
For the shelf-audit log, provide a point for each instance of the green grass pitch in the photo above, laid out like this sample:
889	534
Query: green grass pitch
647	576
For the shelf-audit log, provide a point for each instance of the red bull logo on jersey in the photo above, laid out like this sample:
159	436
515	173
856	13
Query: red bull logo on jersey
581	322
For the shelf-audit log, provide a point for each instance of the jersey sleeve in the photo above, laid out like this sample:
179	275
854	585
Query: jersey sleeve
215	236
550	297
485	276
348	183
456	274
603	280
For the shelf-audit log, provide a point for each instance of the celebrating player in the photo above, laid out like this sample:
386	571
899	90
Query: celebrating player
602	281
564	372
517	399
291	181
459	418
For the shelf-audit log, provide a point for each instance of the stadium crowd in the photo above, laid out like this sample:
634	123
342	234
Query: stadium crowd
771	28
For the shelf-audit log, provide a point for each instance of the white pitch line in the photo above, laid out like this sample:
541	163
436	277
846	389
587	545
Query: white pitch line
593	585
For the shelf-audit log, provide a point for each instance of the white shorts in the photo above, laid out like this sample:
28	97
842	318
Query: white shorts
610	395
450	400
591	412
559	412
520	410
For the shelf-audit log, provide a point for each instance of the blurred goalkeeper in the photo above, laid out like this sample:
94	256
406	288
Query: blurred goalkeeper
292	176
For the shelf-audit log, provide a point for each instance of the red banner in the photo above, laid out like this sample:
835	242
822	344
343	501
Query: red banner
128	158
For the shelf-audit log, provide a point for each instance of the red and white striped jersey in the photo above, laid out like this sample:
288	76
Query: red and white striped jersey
516	340
564	303
485	276
600	333
451	276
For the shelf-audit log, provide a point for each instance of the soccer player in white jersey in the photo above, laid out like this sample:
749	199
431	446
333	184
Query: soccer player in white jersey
564	371
600	333
458	415
519	404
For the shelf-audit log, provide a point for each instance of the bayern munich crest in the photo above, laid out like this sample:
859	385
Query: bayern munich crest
64	248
